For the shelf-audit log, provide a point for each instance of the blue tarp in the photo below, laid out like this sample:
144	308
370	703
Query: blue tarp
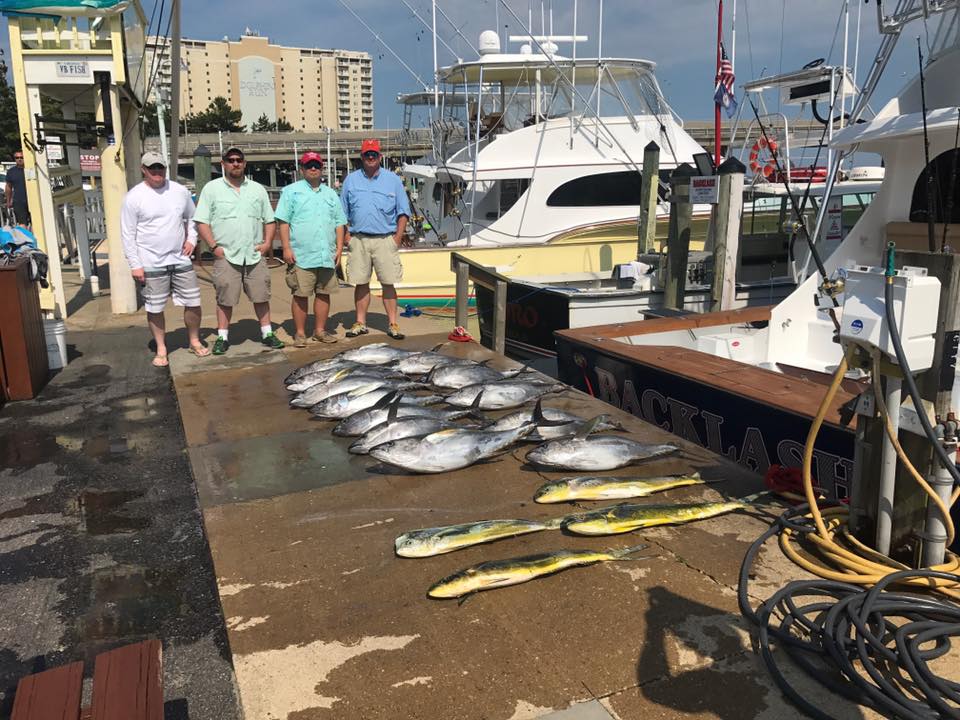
59	8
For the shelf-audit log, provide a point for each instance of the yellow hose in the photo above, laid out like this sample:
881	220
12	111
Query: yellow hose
852	562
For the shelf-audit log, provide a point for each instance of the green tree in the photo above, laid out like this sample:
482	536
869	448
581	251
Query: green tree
151	126
9	126
263	124
218	116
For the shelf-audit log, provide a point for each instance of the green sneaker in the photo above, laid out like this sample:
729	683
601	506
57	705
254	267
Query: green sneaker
272	341
220	346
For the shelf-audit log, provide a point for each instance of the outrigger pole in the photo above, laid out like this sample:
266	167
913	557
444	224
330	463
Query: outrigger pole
716	105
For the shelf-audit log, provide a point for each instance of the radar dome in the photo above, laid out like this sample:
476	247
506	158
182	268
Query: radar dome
489	43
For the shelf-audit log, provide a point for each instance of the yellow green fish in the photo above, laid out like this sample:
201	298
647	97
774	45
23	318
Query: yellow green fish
513	571
626	517
609	487
439	540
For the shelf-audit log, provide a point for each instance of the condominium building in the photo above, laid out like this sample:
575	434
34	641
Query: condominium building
310	88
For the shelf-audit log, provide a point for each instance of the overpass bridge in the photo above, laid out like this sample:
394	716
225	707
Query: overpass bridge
272	157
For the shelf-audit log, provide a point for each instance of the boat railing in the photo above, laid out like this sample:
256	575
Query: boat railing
468	271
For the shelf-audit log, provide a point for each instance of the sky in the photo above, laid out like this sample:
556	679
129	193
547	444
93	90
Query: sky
772	36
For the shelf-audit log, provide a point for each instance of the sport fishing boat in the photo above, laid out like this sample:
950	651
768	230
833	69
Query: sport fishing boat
547	177
769	262
745	383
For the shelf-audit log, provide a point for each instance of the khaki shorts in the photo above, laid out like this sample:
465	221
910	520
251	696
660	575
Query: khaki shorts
304	282
228	279
374	252
158	284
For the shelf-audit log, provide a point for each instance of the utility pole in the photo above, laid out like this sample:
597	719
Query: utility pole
174	89
162	126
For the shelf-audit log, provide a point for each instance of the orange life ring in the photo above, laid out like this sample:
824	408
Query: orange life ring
760	164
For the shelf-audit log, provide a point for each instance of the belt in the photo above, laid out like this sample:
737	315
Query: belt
363	234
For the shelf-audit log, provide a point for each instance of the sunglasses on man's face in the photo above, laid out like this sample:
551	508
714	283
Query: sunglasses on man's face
312	165
371	155
157	168
234	160
18	157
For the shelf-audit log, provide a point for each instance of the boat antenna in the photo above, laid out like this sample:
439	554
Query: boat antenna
953	186
927	175
814	253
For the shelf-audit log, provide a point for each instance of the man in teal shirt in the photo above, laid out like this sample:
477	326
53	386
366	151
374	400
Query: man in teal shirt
235	219
312	226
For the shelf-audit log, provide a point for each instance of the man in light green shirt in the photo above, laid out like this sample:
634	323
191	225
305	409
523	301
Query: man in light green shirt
235	219
312	224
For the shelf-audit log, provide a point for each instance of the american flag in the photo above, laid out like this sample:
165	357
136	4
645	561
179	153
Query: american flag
724	95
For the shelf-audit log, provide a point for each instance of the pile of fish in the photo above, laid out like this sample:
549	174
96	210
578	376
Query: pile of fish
423	412
403	407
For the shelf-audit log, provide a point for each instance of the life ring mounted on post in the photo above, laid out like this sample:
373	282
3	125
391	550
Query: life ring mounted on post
763	156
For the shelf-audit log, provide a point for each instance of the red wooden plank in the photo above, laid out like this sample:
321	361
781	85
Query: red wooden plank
50	695
128	683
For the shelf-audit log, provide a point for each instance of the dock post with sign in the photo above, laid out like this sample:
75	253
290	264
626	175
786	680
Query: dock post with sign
678	241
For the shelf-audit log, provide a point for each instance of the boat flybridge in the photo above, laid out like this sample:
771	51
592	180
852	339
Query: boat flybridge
551	155
800	330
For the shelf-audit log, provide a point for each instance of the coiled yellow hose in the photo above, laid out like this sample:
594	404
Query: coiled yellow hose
833	553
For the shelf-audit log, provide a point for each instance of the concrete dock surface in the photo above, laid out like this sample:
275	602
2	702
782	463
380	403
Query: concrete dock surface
195	506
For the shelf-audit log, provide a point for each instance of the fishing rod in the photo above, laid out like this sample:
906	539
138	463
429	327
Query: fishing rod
927	175
429	27
383	42
798	210
814	253
953	186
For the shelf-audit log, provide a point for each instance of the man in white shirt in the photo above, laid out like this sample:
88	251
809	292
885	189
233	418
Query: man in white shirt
156	225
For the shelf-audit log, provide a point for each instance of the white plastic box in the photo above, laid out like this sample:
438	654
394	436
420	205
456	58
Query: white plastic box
916	301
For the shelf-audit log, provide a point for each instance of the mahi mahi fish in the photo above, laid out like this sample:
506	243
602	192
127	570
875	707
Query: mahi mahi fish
375	354
447	449
502	395
513	571
626	517
439	540
594	452
610	488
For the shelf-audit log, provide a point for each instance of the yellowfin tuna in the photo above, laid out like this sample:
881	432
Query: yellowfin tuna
626	517
610	488
513	571
439	540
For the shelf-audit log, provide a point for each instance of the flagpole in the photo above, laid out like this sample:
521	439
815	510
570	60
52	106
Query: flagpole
716	105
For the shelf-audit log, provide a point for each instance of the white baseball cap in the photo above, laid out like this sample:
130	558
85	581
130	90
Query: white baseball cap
152	158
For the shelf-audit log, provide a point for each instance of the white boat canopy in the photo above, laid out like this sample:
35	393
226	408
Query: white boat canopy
522	69
897	127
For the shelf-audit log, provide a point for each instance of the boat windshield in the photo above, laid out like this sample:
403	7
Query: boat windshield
509	95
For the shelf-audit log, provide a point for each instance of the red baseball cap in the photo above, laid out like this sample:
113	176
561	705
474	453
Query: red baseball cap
310	155
372	145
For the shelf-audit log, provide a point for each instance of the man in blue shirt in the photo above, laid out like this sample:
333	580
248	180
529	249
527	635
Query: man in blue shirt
377	208
312	227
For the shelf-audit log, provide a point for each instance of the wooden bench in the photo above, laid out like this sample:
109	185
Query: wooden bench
127	685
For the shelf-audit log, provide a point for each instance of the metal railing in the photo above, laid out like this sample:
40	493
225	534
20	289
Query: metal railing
468	270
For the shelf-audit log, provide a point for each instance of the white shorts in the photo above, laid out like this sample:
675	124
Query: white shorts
181	280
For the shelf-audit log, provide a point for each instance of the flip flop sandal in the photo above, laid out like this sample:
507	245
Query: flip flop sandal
160	361
199	351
